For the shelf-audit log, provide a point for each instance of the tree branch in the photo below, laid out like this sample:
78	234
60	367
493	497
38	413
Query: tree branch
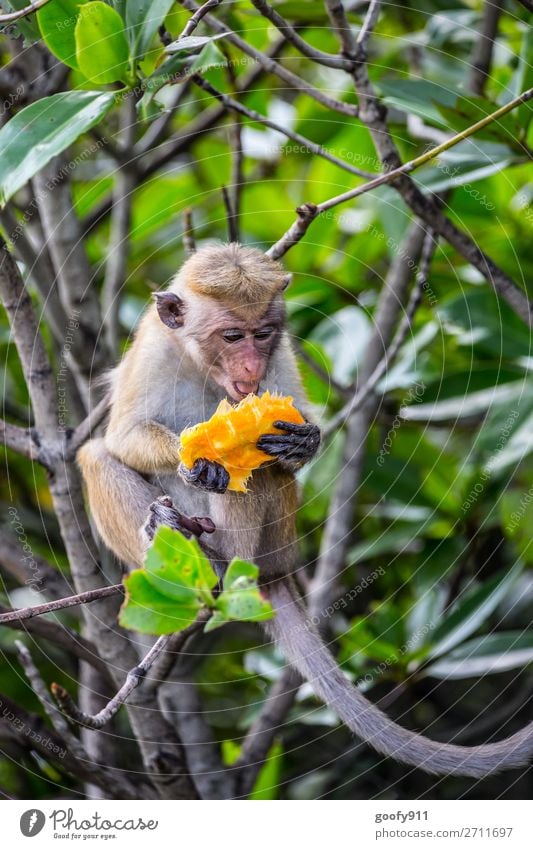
313	53
133	679
9	17
484	46
62	603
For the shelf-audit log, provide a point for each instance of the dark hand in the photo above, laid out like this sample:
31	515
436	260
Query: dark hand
295	447
206	474
163	512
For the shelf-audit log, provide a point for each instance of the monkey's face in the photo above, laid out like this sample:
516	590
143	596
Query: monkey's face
241	358
231	346
236	349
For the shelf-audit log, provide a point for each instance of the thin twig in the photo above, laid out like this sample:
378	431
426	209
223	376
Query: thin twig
233	232
85	428
313	53
370	21
189	242
322	373
341	25
19	439
484	46
360	397
193	22
318	150
8	17
62	603
163	667
133	679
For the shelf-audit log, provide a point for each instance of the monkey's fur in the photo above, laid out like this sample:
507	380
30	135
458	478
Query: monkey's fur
205	340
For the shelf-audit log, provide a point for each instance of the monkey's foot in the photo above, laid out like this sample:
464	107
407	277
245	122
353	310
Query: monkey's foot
163	512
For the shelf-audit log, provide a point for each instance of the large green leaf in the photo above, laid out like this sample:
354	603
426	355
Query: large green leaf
177	567
57	23
485	656
101	45
148	611
44	129
143	19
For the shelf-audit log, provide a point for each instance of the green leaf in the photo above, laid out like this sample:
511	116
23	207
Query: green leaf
191	44
57	23
101	45
44	129
177	567
470	613
241	598
267	783
143	19
149	612
179	63
420	97
485	656
168	593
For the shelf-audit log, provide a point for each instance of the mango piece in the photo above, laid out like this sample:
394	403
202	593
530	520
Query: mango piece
230	436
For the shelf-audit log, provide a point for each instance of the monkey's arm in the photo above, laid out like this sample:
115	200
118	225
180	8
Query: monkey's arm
293	448
149	447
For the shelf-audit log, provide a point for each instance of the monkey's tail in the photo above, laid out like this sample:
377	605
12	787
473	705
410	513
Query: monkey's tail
305	650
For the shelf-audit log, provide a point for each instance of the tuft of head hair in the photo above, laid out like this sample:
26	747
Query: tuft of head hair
243	278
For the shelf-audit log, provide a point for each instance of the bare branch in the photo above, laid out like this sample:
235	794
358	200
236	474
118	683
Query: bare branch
61	604
235	106
193	22
484	46
274	67
231	218
84	430
341	25
313	53
133	679
118	249
29	342
19	439
189	242
9	17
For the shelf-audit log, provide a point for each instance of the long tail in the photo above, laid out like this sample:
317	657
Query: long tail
304	649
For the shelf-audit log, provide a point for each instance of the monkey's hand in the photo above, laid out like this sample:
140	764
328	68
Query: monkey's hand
206	474
293	448
163	512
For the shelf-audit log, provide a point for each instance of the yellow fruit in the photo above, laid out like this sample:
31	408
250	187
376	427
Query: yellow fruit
231	434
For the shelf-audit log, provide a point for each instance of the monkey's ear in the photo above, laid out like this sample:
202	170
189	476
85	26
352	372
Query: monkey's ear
286	280
170	309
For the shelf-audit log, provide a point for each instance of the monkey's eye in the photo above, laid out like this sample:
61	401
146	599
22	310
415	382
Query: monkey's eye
264	333
232	336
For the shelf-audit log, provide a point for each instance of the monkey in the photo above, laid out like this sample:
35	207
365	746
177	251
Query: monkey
219	331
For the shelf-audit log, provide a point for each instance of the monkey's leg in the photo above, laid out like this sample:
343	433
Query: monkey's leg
126	508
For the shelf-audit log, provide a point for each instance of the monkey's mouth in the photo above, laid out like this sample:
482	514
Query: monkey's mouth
242	389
